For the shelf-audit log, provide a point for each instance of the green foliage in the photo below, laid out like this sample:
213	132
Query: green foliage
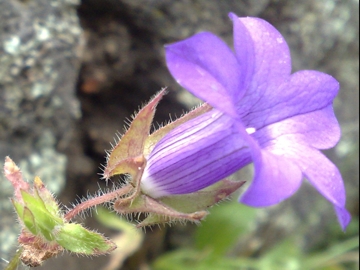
128	240
45	231
111	220
223	227
29	221
76	238
196	260
228	222
39	213
36	217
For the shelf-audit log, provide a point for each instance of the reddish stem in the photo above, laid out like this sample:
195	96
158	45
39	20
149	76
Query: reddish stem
107	197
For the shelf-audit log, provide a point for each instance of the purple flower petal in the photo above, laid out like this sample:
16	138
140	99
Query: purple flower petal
278	176
275	179
318	129
195	155
305	91
295	141
326	178
292	139
205	66
323	175
245	54
265	53
343	216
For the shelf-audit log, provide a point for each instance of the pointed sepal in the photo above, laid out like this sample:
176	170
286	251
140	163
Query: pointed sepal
187	207
13	174
76	238
46	196
132	142
204	198
42	218
29	221
158	212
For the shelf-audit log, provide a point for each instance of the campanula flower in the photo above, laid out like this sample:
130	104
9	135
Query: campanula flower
262	114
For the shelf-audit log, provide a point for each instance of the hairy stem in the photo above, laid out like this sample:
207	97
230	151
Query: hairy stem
107	197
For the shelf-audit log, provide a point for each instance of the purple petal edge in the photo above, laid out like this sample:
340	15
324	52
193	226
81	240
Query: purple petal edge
206	67
343	216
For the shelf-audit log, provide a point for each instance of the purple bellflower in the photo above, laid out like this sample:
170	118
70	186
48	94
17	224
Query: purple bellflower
262	114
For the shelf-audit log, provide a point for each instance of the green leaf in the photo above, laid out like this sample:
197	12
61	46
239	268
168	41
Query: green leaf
29	221
284	255
128	240
201	260
18	207
223	226
45	195
341	252
111	220
131	237
45	221
76	238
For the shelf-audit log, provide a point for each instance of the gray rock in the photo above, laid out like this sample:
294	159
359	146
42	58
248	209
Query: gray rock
39	62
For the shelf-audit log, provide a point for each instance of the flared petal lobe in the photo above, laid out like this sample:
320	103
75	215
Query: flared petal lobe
303	92
318	129
343	216
296	141
262	53
276	179
205	65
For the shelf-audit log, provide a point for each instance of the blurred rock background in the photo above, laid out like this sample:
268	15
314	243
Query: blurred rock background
71	73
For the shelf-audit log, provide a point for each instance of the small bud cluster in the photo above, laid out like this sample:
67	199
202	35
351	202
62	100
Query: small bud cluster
45	231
